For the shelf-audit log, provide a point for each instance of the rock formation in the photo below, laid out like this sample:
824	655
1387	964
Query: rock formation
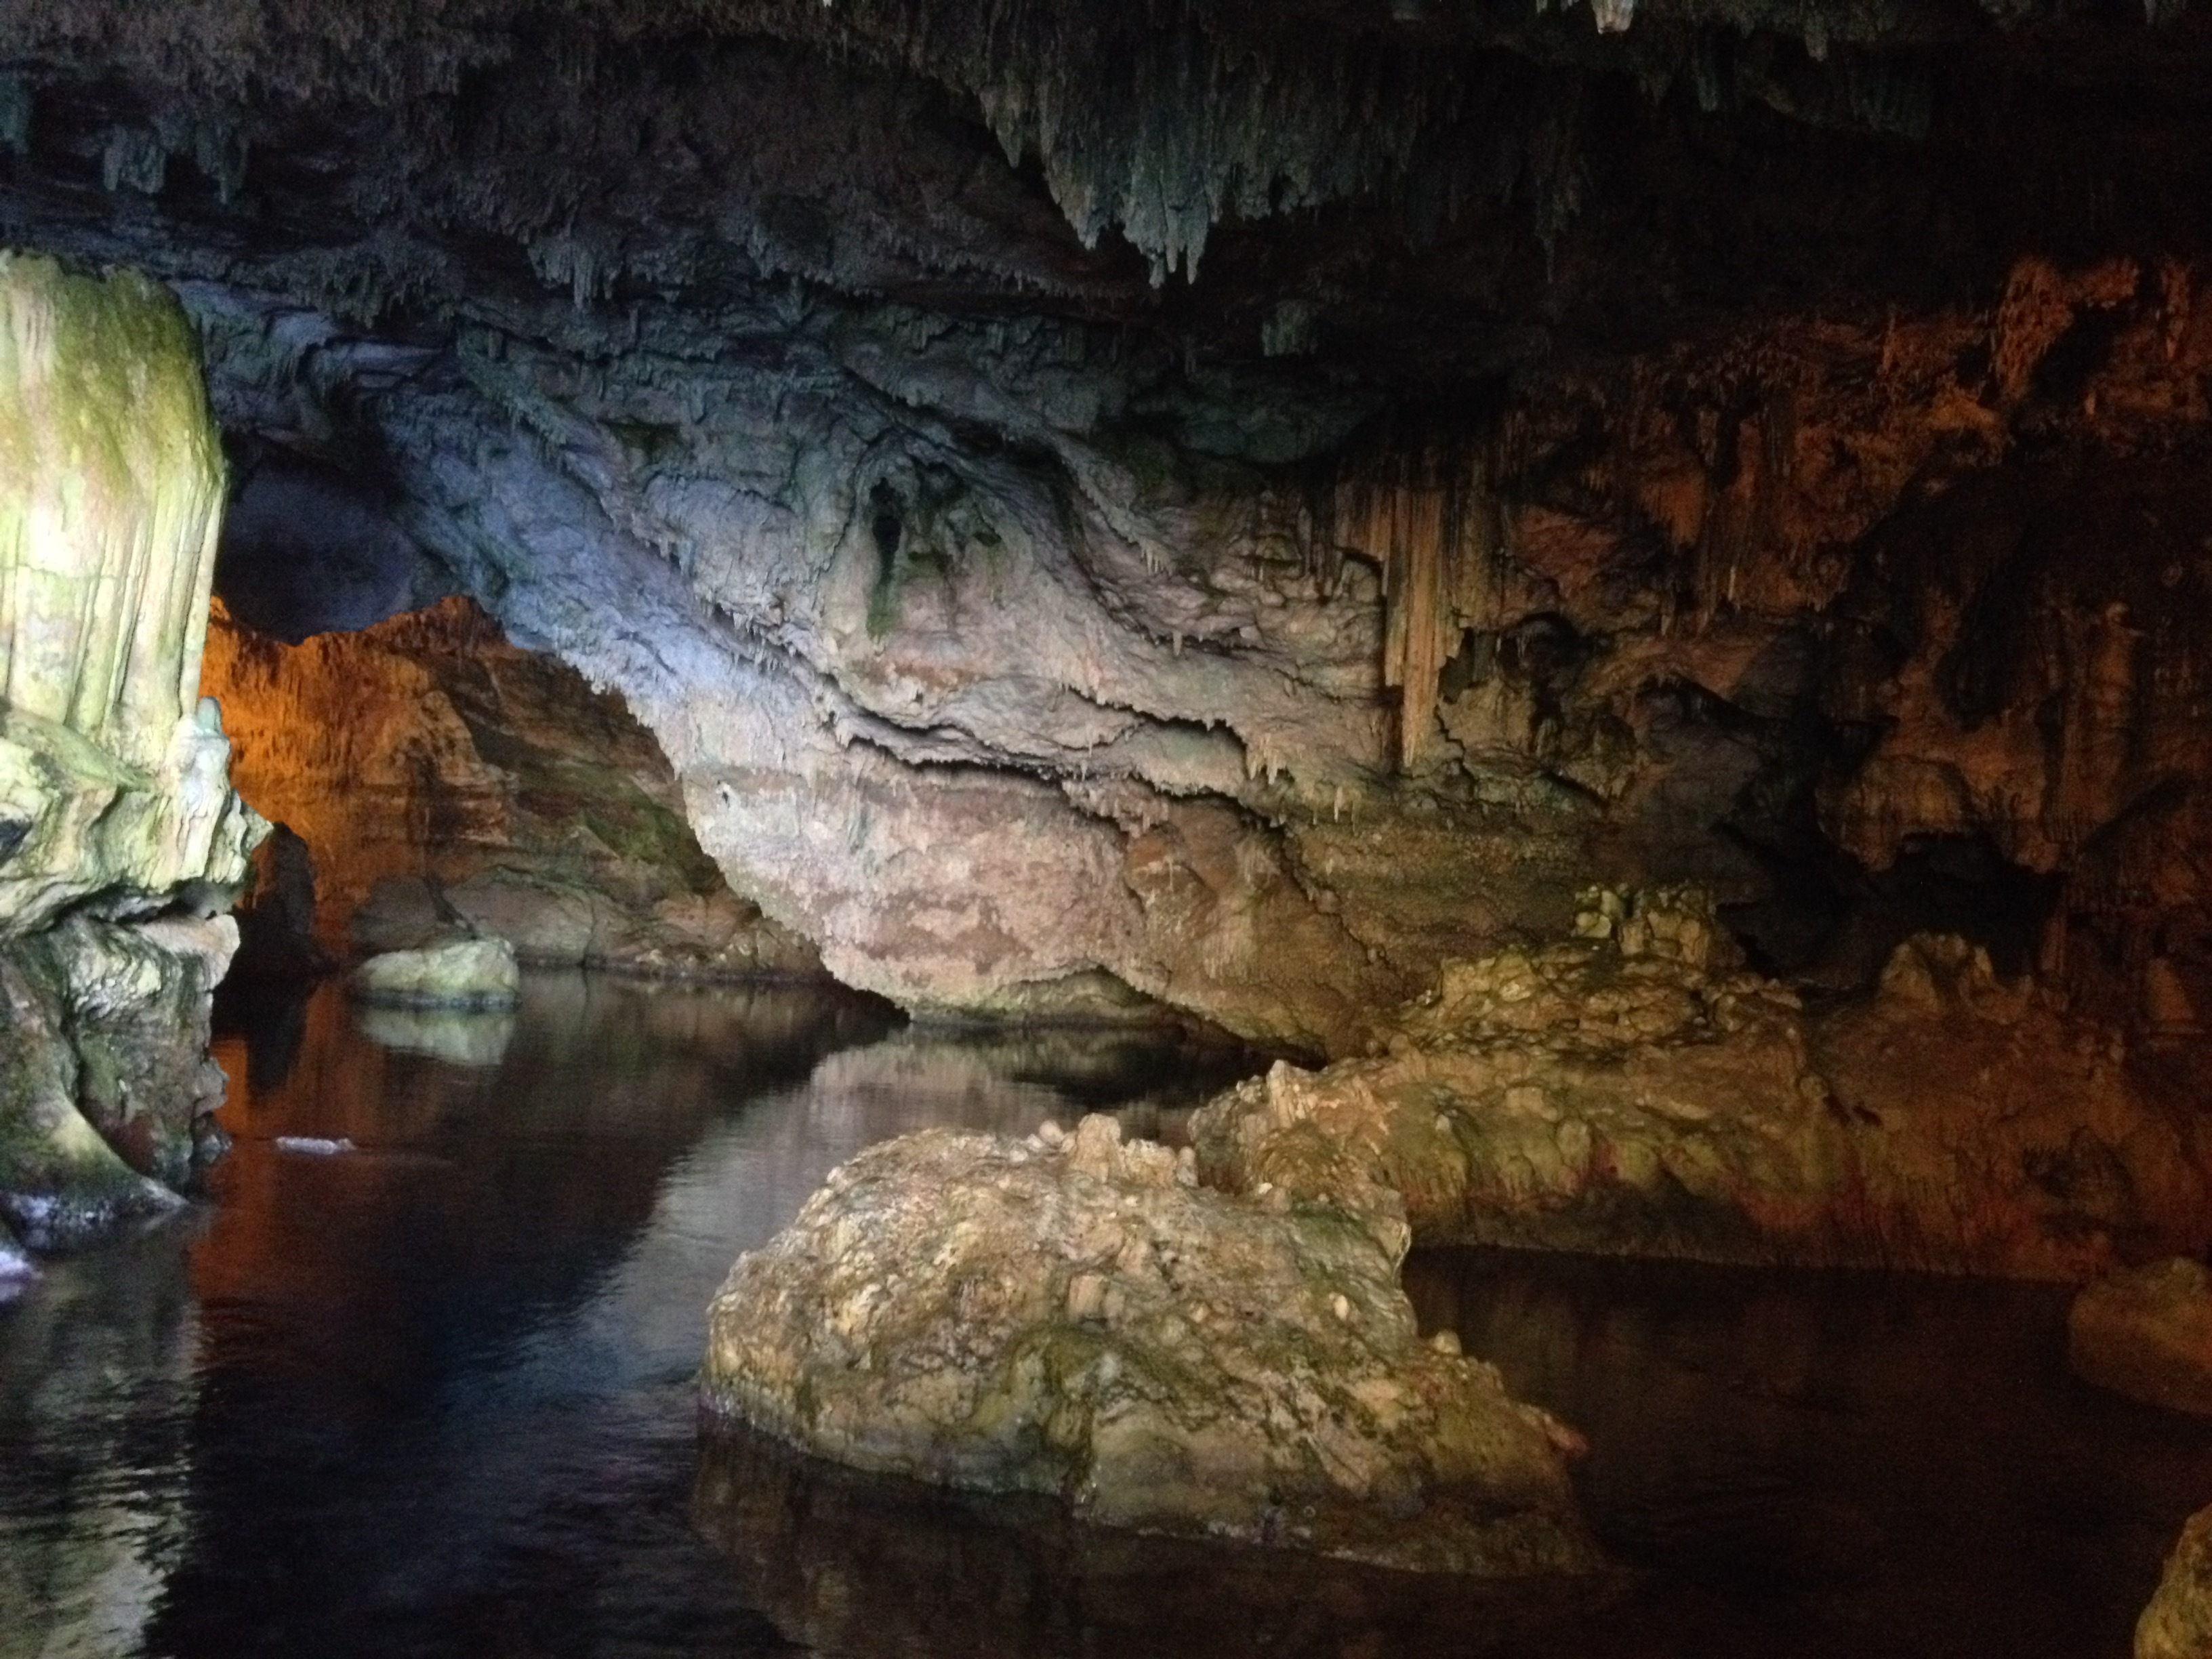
1237	510
1239	522
443	782
2147	1334
476	973
2177	1623
1072	1316
1627	1092
120	836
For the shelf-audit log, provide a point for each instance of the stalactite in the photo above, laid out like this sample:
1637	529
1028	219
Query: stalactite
1427	515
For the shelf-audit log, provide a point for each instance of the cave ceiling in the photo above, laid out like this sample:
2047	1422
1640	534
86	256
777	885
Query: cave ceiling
1018	397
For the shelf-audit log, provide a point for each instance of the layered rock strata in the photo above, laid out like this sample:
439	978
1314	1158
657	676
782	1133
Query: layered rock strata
1074	1315
1628	1092
119	836
446	783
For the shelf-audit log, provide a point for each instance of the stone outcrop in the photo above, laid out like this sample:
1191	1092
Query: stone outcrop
2177	1623
1627	1092
119	836
1073	1315
471	972
441	780
2147	1334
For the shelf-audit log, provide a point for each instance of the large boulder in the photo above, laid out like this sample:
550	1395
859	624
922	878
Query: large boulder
1631	1090
1073	1315
2147	1334
464	973
2177	1623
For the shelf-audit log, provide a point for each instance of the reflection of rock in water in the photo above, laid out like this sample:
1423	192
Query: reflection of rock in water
857	1567
472	1037
96	1377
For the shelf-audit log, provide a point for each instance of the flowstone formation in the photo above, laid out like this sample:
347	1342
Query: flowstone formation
120	838
1631	1093
1073	1315
443	784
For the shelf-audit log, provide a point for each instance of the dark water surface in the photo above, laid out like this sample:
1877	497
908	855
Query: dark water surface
432	1395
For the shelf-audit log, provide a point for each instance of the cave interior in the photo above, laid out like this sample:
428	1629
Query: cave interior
1488	554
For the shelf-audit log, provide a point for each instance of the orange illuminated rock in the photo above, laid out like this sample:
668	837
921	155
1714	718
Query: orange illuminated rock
446	782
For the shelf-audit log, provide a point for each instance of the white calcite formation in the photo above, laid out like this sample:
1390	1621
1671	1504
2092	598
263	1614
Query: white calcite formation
119	835
1075	1315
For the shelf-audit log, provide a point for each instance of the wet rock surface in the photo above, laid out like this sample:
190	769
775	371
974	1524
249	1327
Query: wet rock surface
464	972
119	836
106	1091
1073	1315
2147	1334
1628	1093
2177	1623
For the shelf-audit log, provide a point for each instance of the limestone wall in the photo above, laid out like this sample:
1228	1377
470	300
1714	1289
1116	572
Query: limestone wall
120	837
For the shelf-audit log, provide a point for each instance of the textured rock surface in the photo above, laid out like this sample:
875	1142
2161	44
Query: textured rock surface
119	832
105	1086
461	974
2147	1334
111	783
2177	1623
1625	1093
1073	1315
441	778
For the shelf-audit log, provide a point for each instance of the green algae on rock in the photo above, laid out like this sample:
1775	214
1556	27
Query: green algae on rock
119	831
1073	1315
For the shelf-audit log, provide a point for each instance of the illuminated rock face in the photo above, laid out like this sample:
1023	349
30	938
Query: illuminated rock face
1074	1315
444	781
121	834
112	777
1238	509
1628	1093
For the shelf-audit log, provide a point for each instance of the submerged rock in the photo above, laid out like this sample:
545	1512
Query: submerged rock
1631	1092
2148	1335
477	972
1073	1315
2177	1623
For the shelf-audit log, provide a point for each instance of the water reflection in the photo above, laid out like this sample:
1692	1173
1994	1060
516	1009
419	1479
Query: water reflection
1839	1464
871	1569
475	1037
434	1395
97	1388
